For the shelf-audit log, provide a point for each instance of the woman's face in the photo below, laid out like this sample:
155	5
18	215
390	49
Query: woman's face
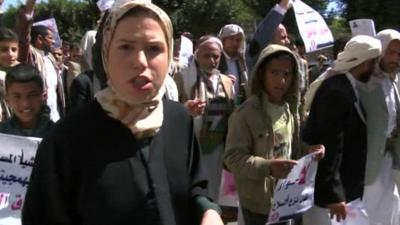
138	58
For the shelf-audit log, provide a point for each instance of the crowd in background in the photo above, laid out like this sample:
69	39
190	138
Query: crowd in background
123	118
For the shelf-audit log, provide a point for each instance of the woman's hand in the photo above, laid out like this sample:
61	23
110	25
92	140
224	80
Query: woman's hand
280	168
195	107
211	217
319	149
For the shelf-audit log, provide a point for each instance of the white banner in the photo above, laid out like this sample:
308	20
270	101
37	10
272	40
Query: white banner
362	27
312	27
186	50
295	194
17	156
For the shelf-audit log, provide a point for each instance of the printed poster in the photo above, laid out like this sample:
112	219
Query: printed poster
362	27
17	156
312	27
295	194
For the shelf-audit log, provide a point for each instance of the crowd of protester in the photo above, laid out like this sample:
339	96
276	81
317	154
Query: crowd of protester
131	134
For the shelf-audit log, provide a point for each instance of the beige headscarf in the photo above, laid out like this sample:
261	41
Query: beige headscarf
144	118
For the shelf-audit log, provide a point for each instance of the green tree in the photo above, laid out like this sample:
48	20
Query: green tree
385	13
73	18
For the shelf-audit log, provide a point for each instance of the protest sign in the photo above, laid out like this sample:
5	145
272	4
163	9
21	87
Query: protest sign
312	27
295	194
227	192
52	25
17	155
186	50
362	27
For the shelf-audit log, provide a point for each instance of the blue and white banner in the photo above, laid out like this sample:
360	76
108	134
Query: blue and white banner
312	27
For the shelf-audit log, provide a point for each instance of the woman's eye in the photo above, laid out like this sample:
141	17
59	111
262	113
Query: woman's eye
155	49
125	47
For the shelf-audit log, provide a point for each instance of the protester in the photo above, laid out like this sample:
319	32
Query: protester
272	31
233	62
208	95
262	136
58	59
75	65
319	68
269	31
129	157
313	87
26	97
35	45
8	59
380	98
337	120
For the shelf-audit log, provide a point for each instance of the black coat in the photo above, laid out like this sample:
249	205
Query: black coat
81	91
91	170
336	123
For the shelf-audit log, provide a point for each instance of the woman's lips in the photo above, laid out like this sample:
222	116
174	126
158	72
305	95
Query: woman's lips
141	83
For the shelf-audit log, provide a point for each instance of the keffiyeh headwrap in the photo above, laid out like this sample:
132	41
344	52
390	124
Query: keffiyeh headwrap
143	118
387	36
357	50
208	40
230	30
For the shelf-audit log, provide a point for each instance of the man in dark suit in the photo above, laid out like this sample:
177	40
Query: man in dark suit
337	120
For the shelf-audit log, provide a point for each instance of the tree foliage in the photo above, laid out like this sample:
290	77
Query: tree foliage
385	13
196	16
73	18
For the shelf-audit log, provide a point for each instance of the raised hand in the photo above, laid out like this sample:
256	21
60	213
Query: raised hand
286	4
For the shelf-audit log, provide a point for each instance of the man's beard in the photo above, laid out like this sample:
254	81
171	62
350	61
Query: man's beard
364	77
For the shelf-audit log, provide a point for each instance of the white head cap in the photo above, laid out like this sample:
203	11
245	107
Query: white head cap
357	50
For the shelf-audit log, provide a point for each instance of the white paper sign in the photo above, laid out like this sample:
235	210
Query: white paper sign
362	27
312	27
103	5
17	155
51	23
186	51
295	194
356	214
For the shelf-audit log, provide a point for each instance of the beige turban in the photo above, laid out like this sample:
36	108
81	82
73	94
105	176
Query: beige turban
357	50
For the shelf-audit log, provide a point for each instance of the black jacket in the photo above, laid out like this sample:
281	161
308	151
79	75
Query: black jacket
91	170
336	123
81	91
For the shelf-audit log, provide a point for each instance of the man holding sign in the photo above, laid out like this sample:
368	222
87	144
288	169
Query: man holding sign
337	120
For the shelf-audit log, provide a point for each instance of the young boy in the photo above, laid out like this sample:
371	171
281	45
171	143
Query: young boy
26	97
263	133
8	59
